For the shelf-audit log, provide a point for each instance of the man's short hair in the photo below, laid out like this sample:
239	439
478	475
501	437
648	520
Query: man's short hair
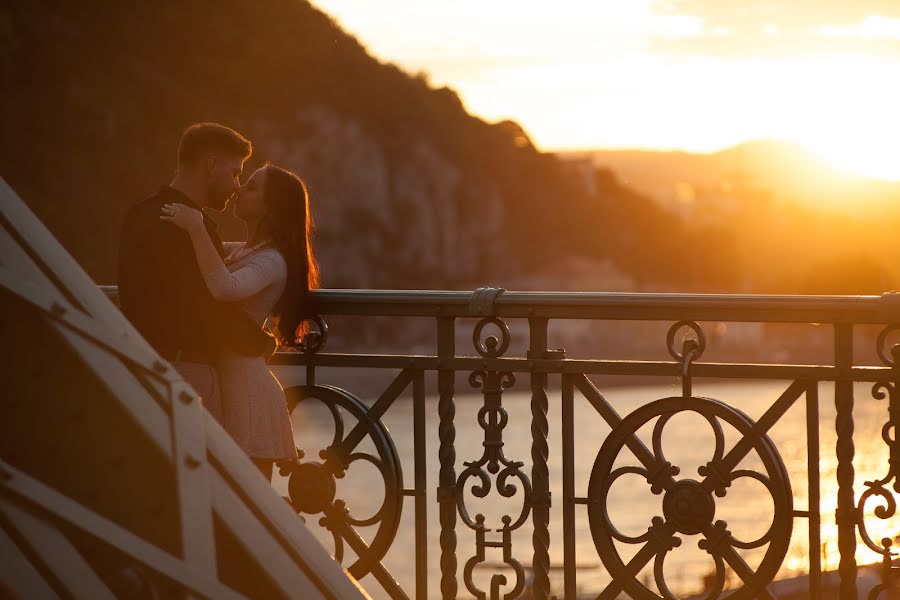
202	139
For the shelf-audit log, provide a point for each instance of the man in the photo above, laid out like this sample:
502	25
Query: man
161	288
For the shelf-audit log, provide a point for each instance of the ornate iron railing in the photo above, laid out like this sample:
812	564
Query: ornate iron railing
688	504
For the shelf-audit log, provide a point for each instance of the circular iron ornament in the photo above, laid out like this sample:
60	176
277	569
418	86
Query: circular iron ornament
881	343
315	340
491	347
689	506
312	487
700	339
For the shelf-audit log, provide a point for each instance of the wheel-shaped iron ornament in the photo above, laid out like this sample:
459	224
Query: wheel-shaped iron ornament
689	505
312	487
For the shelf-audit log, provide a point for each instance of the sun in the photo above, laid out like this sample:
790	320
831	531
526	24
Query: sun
876	159
848	119
857	141
870	150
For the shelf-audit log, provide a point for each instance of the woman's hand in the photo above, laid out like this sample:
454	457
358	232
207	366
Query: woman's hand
185	217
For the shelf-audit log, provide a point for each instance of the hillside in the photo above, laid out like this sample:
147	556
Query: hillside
408	189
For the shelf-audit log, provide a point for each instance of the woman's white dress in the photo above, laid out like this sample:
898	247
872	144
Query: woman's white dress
253	407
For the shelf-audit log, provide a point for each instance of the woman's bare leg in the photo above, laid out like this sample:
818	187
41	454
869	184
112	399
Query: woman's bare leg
265	466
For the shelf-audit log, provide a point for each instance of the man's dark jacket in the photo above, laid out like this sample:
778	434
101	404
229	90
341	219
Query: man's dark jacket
163	294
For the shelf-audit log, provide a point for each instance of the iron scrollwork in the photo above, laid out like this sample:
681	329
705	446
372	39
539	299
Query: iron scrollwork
877	489
492	418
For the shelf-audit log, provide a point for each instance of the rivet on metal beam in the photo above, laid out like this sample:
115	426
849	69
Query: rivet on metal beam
191	461
186	397
57	309
159	366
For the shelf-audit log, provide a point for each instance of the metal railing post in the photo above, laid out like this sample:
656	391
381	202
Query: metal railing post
540	477
447	456
845	515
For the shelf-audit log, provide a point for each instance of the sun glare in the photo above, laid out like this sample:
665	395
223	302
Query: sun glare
876	161
851	124
870	149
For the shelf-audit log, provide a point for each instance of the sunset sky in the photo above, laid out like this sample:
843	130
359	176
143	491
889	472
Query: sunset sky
698	75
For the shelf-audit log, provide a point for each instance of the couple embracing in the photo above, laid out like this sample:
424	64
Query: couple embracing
216	310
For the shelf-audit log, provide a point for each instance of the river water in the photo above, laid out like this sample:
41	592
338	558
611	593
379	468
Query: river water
687	442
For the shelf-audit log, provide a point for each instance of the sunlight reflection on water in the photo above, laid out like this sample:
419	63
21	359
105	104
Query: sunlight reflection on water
687	442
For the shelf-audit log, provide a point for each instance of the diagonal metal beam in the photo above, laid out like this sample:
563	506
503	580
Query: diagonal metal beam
270	555
279	520
634	566
377	410
67	275
192	474
47	300
45	276
18	484
609	414
19	575
378	570
132	396
57	553
759	429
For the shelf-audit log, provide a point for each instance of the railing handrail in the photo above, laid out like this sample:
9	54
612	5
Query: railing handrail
608	305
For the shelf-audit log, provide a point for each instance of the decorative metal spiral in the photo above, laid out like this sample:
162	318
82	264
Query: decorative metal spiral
688	505
312	485
878	490
881	344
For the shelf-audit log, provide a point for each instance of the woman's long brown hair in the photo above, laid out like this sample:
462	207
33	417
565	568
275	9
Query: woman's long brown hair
290	224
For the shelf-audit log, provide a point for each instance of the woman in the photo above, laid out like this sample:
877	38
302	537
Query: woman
270	274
